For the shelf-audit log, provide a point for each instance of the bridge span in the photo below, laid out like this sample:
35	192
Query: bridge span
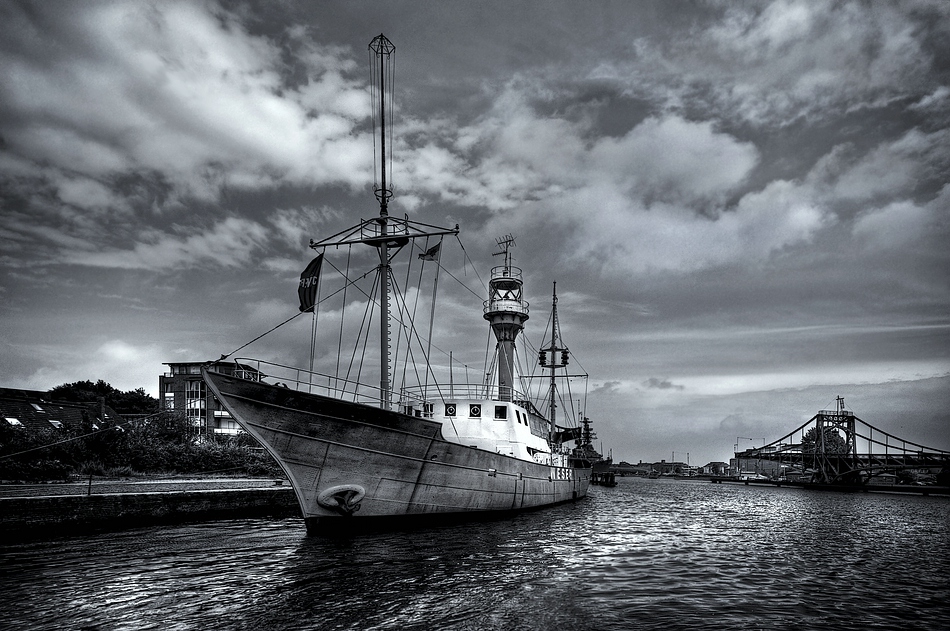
835	447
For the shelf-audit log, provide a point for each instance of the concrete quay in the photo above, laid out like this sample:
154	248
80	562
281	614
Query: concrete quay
36	511
907	489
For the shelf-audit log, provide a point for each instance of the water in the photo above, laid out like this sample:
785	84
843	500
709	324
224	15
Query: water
648	554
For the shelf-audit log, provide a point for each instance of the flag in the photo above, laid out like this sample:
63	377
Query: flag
432	253
564	435
307	291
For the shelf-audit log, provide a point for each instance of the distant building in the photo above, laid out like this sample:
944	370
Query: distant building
671	468
183	390
33	410
748	462
716	468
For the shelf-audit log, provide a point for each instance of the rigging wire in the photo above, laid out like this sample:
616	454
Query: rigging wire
404	314
487	371
268	332
313	336
339	347
474	269
400	299
262	335
366	320
409	316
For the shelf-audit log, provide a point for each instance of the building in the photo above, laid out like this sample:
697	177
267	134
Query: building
716	468
33	410
671	468
748	463
182	389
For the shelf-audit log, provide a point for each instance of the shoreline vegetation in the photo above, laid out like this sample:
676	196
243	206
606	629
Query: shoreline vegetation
123	436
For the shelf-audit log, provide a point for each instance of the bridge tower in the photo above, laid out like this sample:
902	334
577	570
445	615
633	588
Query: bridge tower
835	447
506	310
834	458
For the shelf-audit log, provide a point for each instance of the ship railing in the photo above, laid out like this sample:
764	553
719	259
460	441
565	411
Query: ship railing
313	382
462	391
505	306
506	271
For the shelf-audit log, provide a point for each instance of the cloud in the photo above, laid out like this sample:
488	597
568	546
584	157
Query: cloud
863	373
661	384
671	159
231	242
621	235
178	88
934	99
130	365
608	388
773	63
895	226
891	170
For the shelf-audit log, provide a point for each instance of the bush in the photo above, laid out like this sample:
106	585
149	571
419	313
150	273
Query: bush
35	471
167	443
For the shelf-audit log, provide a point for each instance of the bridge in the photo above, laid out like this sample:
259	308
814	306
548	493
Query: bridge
835	447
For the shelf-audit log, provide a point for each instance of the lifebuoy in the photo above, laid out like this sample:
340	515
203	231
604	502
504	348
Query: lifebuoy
343	498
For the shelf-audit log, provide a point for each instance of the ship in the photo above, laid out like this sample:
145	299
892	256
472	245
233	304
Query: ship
361	455
585	449
601	473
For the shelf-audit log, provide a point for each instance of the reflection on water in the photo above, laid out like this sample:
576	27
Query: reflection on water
648	554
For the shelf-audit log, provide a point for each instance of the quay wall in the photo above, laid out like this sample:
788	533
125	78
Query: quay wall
56	515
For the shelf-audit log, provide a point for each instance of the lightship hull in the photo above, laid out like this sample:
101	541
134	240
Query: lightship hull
350	462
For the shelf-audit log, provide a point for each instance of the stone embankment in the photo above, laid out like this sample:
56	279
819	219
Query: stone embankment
33	511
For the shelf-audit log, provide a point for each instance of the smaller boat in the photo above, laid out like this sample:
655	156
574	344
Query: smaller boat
604	478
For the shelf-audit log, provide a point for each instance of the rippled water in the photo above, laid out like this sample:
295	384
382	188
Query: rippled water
648	554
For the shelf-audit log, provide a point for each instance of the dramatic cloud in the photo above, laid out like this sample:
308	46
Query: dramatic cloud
745	206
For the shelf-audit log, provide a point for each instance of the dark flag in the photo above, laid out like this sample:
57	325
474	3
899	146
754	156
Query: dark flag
432	253
572	433
308	284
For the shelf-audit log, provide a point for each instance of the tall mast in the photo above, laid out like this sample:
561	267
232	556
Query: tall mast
387	234
384	67
552	413
553	357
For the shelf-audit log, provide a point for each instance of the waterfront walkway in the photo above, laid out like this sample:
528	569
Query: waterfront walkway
133	485
29	511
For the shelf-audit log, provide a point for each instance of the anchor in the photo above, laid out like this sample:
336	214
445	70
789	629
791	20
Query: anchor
344	499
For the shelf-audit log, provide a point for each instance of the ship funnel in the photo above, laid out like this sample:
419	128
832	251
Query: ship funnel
506	310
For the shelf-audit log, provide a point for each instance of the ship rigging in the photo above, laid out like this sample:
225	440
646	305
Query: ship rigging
349	451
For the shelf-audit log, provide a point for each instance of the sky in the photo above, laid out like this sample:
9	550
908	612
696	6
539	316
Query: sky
745	206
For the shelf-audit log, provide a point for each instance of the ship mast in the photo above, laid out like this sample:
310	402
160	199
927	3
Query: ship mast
387	234
384	67
553	357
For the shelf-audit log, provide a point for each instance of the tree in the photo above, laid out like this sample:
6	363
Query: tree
131	402
834	443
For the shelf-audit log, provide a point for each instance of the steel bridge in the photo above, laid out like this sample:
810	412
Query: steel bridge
836	447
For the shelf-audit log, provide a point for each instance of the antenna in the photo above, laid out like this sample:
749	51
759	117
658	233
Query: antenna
505	243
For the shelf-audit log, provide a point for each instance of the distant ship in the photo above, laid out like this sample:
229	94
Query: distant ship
356	457
585	449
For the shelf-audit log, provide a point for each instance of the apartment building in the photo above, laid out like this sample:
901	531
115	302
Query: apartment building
183	390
